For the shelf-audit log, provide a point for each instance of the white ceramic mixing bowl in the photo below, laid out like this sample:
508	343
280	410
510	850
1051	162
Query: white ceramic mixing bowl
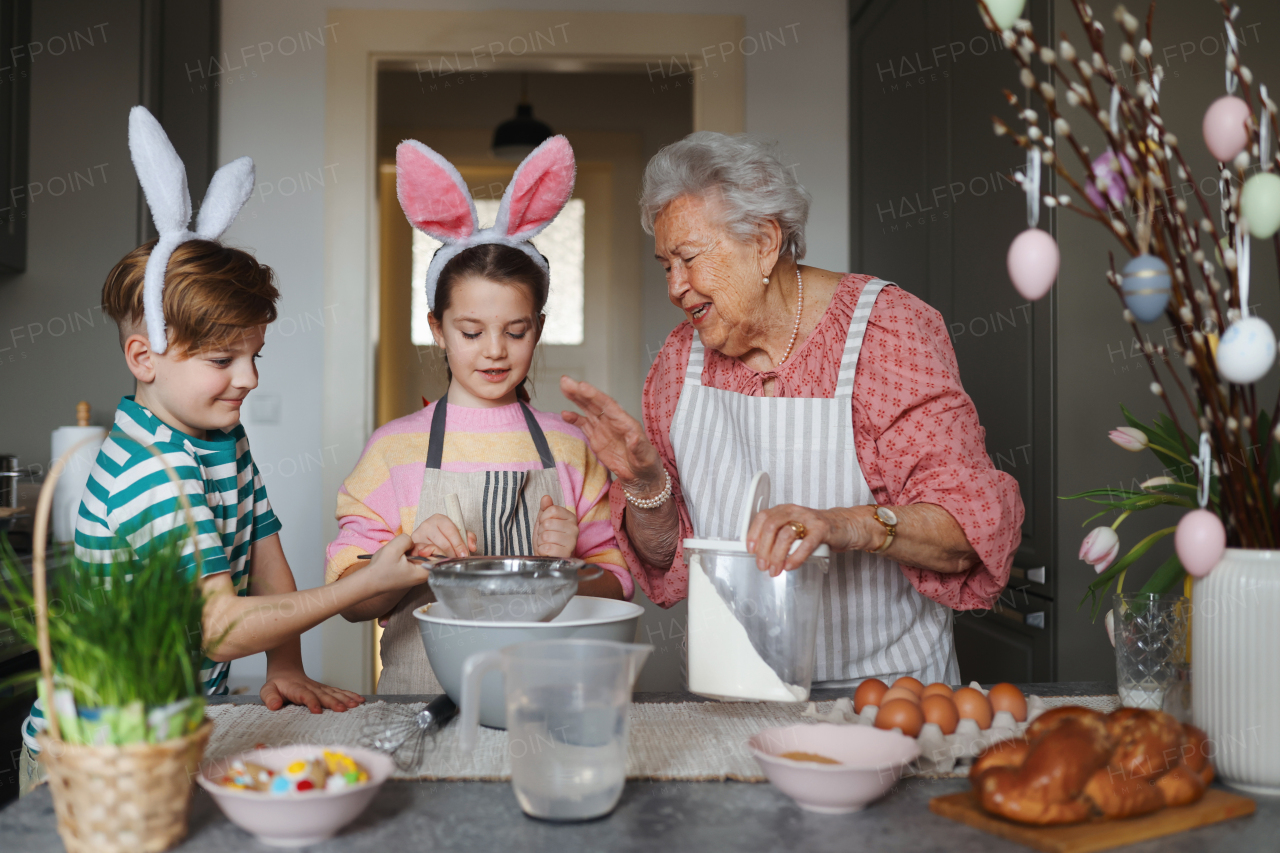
449	641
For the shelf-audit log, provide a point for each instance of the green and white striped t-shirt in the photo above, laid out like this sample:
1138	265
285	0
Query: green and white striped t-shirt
130	495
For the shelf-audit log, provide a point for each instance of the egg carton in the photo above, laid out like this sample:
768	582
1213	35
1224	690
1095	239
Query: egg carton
939	753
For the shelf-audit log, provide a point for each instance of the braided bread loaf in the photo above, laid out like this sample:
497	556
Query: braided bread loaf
1074	764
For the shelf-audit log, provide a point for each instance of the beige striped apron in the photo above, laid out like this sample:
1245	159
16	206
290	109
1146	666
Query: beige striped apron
499	507
872	621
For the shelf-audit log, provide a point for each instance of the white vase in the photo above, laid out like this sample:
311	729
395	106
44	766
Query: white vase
1235	666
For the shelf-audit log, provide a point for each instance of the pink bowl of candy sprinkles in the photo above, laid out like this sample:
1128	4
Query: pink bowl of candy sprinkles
291	796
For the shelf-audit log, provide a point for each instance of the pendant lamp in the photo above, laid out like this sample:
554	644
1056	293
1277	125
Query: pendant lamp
516	138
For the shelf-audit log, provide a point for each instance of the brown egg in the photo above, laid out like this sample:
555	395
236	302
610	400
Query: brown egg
869	692
937	689
900	714
911	684
940	710
972	705
899	693
1006	697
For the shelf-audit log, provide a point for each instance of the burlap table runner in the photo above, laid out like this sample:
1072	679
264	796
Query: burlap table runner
688	741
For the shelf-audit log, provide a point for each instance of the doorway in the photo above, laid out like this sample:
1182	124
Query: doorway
599	255
615	121
375	41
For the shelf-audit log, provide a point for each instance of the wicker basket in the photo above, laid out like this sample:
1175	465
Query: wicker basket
110	799
123	798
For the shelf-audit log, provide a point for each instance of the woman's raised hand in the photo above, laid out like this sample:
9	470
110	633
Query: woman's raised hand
616	438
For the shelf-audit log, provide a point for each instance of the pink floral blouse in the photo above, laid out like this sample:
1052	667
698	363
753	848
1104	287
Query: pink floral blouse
915	429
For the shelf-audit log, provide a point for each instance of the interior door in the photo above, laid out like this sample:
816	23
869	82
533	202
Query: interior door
934	208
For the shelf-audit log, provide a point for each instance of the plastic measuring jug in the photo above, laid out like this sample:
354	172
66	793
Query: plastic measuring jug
567	704
751	636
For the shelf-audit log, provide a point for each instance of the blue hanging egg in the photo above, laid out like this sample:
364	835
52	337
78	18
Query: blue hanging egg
1145	283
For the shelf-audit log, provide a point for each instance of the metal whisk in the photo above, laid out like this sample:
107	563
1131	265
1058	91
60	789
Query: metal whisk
403	734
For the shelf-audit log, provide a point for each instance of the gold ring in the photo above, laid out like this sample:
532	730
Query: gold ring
798	529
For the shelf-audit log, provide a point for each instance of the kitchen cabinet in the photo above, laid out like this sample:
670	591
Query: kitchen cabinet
15	131
934	206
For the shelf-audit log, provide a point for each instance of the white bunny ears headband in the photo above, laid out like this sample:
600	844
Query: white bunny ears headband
164	183
437	202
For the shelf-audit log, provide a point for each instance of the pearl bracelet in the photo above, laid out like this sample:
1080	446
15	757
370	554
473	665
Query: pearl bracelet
651	503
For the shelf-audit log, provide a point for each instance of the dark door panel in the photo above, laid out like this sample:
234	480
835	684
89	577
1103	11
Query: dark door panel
1013	641
934	208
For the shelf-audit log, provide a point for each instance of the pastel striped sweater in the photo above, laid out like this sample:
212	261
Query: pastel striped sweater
379	499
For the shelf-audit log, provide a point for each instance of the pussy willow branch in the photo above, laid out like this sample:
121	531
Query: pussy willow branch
1174	236
1022	55
1130	109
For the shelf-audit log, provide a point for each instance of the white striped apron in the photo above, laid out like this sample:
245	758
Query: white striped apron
872	621
499	507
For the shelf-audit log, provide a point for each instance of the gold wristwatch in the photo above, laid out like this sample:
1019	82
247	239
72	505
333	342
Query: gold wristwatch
886	517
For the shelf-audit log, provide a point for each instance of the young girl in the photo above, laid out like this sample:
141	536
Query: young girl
527	481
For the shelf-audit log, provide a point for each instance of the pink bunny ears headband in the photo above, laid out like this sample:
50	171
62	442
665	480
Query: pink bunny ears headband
437	202
164	183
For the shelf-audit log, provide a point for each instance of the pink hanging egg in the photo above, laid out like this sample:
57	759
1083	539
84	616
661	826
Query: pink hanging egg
1033	263
1224	128
1200	541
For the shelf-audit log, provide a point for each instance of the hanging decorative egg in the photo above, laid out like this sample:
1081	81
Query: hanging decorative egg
1224	128
1145	283
1033	263
1109	178
1200	541
1260	204
1247	350
1005	12
1222	246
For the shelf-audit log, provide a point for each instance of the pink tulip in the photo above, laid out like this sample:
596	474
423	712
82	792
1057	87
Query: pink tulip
1100	547
1129	438
1148	485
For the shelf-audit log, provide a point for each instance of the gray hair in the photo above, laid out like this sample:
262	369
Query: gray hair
742	173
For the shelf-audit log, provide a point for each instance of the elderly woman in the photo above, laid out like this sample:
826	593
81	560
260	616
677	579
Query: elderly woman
843	387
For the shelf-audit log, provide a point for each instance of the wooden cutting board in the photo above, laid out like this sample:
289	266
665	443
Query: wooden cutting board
1216	805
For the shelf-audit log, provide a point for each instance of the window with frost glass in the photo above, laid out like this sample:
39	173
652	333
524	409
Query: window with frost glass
561	244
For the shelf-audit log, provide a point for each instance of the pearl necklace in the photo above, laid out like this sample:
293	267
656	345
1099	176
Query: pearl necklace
795	330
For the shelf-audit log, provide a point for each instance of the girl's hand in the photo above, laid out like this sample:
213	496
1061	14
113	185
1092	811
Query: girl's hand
616	438
438	536
556	532
770	536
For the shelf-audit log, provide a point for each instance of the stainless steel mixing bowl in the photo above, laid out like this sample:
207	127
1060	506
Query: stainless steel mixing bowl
508	589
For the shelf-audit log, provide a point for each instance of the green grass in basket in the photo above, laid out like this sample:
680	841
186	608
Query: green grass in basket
124	632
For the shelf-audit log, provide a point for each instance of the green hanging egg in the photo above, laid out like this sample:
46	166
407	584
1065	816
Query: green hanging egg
1005	12
1260	204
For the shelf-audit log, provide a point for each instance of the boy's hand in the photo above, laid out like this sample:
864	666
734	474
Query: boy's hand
556	532
295	687
392	570
440	536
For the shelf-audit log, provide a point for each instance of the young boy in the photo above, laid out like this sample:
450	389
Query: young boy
217	303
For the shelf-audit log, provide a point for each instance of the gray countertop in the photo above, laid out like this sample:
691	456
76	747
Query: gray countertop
652	816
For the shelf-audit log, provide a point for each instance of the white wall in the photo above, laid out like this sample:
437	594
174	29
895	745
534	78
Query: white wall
272	109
